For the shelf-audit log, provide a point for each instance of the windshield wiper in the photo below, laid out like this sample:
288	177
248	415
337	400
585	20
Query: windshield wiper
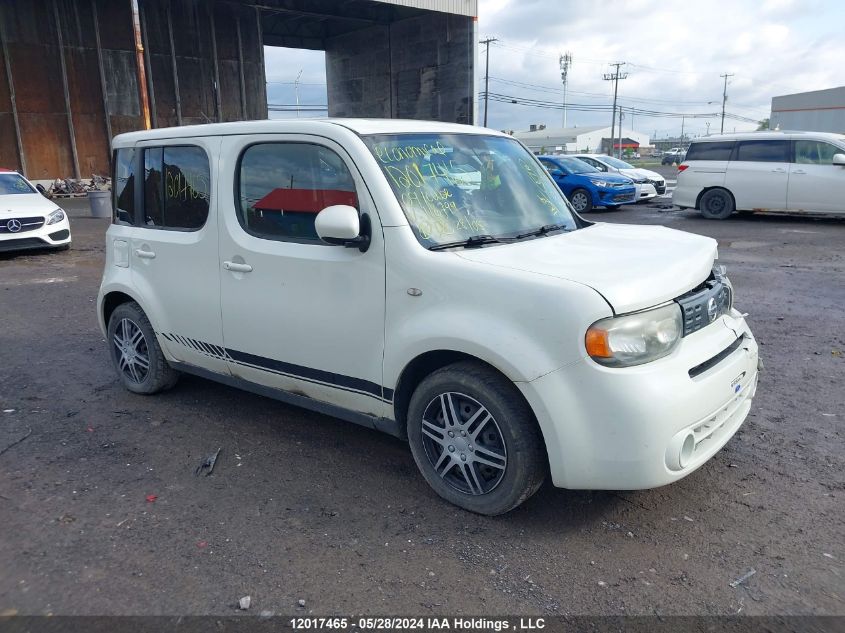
544	230
475	240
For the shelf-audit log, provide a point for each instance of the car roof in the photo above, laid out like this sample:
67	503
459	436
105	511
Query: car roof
768	135
299	126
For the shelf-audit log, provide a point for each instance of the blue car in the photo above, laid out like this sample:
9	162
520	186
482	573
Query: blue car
586	187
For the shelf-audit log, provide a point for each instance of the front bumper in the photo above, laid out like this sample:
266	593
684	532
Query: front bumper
646	191
46	236
613	196
626	429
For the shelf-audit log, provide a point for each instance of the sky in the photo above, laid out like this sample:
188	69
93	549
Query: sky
675	53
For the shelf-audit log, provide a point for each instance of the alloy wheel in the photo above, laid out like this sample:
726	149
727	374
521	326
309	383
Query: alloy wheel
463	443
133	356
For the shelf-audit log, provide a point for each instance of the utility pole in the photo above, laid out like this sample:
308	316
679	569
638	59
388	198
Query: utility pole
614	77
724	99
707	123
683	120
565	62
487	43
619	145
296	91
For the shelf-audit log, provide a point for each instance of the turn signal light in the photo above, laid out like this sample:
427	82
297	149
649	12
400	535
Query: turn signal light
597	344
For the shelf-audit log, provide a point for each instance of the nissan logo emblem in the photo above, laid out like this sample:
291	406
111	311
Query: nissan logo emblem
712	309
13	225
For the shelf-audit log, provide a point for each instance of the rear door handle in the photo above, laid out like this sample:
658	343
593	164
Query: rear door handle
779	170
144	254
799	171
235	267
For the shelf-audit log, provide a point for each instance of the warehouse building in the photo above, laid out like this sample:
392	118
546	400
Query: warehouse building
580	140
74	73
817	111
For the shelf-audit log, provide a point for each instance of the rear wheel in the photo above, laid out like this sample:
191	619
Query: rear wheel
475	440
135	351
716	204
581	201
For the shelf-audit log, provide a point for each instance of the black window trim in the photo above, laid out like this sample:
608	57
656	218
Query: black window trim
790	151
702	142
139	191
236	190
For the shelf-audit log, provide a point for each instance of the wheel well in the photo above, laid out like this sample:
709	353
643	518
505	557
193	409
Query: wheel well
417	370
706	189
111	301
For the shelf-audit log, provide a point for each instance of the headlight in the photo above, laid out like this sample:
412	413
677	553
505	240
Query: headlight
634	339
600	183
56	216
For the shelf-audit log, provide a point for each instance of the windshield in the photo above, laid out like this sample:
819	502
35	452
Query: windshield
456	186
13	183
615	162
576	165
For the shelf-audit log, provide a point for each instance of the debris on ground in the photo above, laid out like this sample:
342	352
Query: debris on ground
244	603
16	442
300	603
63	187
207	462
151	498
736	583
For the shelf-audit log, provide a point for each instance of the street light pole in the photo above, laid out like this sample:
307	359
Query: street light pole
487	43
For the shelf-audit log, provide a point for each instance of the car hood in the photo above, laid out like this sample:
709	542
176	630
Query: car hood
647	173
24	204
606	177
632	267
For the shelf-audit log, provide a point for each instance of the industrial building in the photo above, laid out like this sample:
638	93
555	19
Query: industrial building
74	73
816	111
585	140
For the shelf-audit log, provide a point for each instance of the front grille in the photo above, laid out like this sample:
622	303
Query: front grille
705	303
623	197
27	224
659	185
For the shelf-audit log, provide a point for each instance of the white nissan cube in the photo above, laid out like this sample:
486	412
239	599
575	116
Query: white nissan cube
431	281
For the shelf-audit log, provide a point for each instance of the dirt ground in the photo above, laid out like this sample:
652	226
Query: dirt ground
305	507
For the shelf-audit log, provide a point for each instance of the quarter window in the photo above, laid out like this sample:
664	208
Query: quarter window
283	186
124	186
763	151
176	187
815	152
710	151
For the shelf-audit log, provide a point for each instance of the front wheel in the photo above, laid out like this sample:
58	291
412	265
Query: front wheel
581	201
475	440
135	351
716	204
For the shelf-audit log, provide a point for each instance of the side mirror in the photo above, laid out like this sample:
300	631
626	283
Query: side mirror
339	225
839	159
41	189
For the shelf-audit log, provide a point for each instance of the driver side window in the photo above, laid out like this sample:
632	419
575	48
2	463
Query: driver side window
283	186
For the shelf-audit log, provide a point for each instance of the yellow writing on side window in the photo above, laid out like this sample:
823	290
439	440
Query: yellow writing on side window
387	153
185	186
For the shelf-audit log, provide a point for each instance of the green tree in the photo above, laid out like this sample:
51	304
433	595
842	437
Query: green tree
763	124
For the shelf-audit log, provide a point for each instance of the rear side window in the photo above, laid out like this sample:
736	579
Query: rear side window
124	186
720	150
763	151
177	190
815	152
283	186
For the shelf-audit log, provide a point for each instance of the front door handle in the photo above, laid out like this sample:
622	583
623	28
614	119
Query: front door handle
236	267
799	171
779	170
145	254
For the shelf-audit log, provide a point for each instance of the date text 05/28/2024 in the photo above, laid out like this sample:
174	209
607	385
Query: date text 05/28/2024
416	624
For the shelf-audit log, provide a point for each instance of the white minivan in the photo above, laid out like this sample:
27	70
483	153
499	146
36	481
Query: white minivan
429	280
791	172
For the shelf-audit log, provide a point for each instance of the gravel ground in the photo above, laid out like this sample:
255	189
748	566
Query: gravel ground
304	507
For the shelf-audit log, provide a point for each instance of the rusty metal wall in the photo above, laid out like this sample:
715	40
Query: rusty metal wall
74	76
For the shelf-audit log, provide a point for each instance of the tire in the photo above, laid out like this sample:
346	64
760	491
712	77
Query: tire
716	204
585	201
132	342
496	462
